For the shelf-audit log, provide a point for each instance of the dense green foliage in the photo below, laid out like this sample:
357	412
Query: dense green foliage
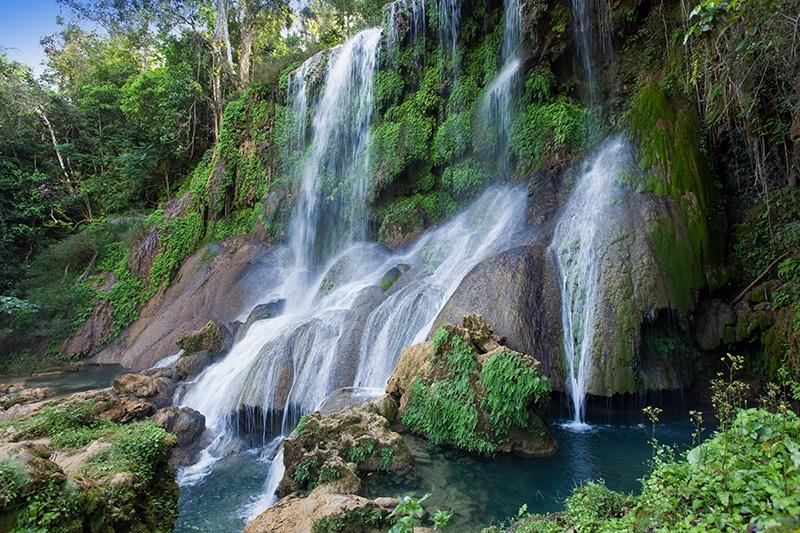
448	409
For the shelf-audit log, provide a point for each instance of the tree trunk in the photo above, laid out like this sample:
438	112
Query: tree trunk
67	180
246	53
222	40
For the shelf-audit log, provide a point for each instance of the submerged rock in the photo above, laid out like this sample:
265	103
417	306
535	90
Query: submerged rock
466	389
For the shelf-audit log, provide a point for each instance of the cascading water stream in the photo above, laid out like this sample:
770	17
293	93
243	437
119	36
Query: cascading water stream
497	104
577	247
340	132
408	15
339	327
586	41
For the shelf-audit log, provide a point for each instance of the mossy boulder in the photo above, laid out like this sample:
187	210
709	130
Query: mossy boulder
670	151
465	389
338	448
213	338
69	466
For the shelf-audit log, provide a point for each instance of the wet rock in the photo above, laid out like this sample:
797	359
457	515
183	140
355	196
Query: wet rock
390	278
213	338
715	324
189	366
260	312
519	297
343	398
183	422
336	448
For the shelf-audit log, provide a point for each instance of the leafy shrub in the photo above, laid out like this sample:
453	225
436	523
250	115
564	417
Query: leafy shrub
771	229
465	179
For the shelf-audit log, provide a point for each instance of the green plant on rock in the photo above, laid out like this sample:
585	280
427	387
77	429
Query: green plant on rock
447	410
544	134
510	384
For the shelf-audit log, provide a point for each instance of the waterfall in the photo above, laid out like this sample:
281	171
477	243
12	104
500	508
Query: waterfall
498	101
577	247
341	325
340	130
448	20
404	16
586	40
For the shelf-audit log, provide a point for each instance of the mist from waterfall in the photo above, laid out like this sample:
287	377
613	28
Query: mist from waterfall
577	248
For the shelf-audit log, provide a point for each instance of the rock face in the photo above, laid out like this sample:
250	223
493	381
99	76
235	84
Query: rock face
517	293
337	448
203	289
466	389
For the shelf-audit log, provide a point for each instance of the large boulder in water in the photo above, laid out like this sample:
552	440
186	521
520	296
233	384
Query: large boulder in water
337	448
517	293
466	389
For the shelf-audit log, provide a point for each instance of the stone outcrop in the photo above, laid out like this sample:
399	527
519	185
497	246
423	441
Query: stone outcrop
299	513
338	448
213	338
204	289
183	422
155	390
467	389
89	461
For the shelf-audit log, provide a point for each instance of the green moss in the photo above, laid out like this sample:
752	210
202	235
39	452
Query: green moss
449	409
546	134
670	151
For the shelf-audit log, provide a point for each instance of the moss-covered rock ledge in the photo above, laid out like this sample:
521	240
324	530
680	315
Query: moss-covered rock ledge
465	389
90	462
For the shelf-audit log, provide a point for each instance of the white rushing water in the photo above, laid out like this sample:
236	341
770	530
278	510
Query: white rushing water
585	13
406	16
576	245
351	305
497	104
